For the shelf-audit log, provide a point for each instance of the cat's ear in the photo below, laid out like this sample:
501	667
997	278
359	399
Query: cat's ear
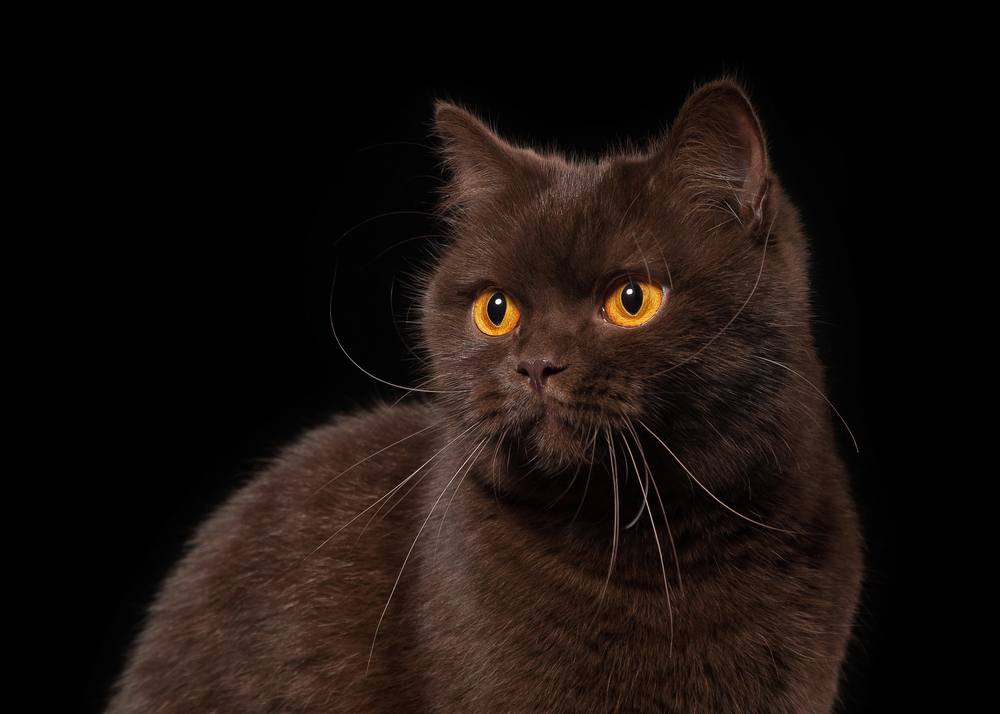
716	157
482	165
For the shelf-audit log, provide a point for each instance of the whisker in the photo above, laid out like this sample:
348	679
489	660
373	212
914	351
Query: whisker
635	238
739	312
638	478
402	242
471	460
659	548
371	456
371	219
493	465
819	392
569	487
388	494
617	517
340	345
590	470
413	545
390	509
666	265
663	510
410	392
706	490
395	323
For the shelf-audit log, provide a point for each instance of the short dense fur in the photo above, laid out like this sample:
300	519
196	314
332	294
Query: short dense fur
527	588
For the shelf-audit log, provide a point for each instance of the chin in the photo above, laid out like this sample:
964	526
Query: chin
553	444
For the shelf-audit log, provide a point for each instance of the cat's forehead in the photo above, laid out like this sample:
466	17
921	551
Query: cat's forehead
572	233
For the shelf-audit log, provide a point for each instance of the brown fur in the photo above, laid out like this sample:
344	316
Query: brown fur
506	603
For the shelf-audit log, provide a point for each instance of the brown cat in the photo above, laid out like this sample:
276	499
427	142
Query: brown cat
621	492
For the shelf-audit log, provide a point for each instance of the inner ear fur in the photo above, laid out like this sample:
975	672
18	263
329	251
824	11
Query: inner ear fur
716	156
481	164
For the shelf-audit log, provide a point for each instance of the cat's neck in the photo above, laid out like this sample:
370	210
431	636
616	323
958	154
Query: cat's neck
580	515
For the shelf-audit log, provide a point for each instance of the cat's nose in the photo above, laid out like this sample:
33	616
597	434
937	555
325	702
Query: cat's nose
537	371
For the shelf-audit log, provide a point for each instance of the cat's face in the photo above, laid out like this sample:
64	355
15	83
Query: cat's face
578	300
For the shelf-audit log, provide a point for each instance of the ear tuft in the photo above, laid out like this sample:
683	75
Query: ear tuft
717	156
481	163
459	128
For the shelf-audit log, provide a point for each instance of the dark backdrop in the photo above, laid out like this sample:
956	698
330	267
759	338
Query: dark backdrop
193	213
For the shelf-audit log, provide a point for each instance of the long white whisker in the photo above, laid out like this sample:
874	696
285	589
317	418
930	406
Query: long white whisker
391	507
706	490
471	460
493	465
663	510
590	470
819	392
389	493
635	238
739	312
659	548
617	517
336	337
371	456
413	545
386	214
407	393
638	477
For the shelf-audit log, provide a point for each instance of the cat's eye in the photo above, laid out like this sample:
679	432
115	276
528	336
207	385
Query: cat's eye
631	303
495	313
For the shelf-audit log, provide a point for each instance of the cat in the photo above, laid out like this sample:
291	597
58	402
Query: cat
619	488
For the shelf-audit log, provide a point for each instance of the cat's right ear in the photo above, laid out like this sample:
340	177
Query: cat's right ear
716	156
482	165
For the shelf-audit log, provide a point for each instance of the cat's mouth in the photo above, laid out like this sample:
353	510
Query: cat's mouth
557	433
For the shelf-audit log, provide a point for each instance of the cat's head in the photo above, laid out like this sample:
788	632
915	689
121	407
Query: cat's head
579	299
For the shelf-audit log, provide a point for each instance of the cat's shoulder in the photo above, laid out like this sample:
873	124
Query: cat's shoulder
271	545
352	450
346	435
329	473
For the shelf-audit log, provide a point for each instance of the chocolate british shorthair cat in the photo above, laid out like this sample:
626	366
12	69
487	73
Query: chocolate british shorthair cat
618	489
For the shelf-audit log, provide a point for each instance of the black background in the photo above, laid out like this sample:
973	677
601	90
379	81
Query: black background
193	213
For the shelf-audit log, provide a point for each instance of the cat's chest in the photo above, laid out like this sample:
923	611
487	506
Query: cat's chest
503	619
536	650
507	622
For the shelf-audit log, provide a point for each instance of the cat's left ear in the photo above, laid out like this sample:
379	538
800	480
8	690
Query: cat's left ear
716	157
482	165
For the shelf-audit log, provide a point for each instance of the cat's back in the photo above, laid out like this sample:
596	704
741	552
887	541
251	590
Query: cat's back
277	601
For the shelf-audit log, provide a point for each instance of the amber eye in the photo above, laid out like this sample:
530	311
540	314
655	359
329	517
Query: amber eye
495	313
633	302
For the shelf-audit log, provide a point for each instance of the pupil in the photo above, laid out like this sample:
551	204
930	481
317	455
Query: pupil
496	308
632	298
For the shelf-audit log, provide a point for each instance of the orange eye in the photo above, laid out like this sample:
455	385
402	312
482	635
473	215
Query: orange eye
495	313
633	303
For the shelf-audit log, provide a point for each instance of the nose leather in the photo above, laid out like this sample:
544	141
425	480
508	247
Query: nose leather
538	371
